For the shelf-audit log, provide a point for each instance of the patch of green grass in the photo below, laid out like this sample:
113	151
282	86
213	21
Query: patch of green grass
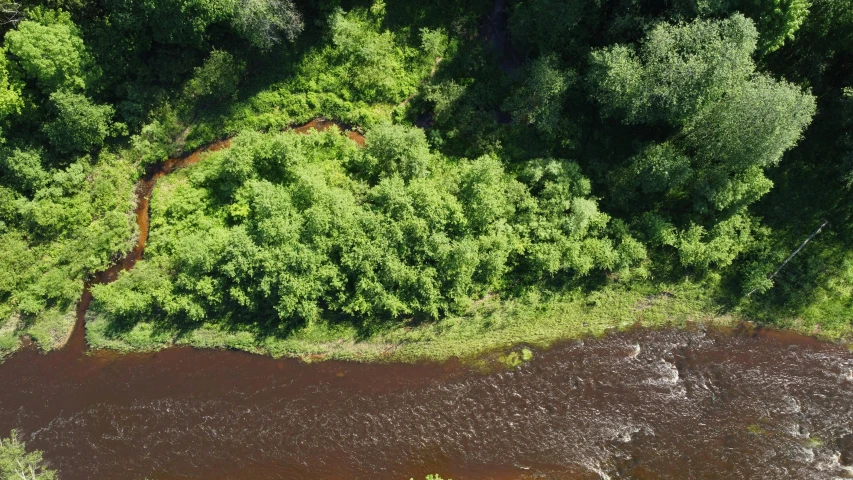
52	328
814	442
756	429
515	358
9	337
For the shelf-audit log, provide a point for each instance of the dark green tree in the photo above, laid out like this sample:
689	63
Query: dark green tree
677	70
539	100
79	125
727	123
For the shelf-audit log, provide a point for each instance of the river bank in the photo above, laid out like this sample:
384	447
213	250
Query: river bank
492	326
489	325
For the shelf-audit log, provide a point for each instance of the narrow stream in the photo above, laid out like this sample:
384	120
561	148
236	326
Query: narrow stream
642	404
143	190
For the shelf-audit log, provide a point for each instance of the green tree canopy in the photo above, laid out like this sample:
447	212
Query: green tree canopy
742	134
266	22
677	70
78	125
23	170
394	150
727	123
539	101
217	78
281	224
49	52
777	20
10	89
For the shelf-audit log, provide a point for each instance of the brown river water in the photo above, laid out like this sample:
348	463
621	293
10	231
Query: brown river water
692	403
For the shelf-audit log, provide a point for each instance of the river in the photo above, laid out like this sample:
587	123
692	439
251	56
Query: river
674	404
643	404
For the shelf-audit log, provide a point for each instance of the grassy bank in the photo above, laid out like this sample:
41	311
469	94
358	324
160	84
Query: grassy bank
50	330
489	325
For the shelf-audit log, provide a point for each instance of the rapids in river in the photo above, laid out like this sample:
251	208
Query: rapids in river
694	403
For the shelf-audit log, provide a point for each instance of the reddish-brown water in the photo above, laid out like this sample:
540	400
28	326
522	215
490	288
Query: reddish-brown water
143	190
666	404
321	124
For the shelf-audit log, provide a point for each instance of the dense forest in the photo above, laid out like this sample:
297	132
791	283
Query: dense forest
521	159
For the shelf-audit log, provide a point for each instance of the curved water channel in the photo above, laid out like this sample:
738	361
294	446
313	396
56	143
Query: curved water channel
642	404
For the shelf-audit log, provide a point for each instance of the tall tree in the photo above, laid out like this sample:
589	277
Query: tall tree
725	125
265	23
676	71
49	52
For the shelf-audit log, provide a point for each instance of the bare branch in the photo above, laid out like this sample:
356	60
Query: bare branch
825	223
11	12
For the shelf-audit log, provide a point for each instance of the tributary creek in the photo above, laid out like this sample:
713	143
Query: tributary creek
694	403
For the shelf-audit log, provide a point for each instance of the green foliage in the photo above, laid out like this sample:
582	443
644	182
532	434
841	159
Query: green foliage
182	22
277	225
536	25
733	125
358	73
678	70
565	228
151	48
489	325
610	143
159	139
753	126
136	292
372	60
539	101
17	463
394	150
516	359
50	71
661	168
10	90
48	51
79	125
23	170
701	247
217	77
777	20
265	22
73	225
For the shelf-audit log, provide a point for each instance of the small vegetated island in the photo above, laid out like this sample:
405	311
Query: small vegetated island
483	173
